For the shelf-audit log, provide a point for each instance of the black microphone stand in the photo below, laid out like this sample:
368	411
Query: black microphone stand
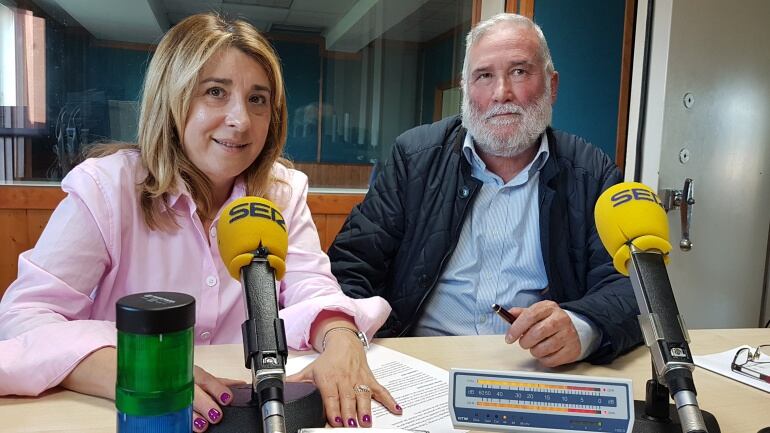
672	364
656	415
260	407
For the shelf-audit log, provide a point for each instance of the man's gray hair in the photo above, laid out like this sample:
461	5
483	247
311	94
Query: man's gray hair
511	21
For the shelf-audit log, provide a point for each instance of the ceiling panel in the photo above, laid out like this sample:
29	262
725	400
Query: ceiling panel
192	4
118	20
283	4
259	13
405	20
339	7
311	19
177	10
262	26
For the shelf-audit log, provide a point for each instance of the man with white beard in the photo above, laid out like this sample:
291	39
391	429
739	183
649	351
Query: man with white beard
494	207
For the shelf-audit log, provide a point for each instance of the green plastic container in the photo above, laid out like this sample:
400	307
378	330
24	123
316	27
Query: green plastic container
154	390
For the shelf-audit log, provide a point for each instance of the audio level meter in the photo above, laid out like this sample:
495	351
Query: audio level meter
514	401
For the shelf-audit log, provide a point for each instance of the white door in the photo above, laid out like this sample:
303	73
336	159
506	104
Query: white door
708	119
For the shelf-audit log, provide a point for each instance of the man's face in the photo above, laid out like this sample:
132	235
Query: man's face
508	98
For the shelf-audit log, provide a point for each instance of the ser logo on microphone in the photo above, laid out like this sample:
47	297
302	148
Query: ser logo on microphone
626	195
258	210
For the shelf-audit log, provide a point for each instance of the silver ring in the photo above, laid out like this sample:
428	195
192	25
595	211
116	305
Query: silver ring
362	388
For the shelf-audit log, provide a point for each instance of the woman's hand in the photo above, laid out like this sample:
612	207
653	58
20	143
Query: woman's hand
210	393
343	377
96	375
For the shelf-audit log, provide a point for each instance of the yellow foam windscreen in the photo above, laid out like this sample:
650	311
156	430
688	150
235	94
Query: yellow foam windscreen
631	213
249	223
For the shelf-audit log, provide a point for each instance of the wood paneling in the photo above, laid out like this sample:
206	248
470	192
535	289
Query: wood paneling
24	212
320	226
527	8
329	213
336	175
30	197
36	222
333	204
14	239
521	7
333	225
476	12
625	84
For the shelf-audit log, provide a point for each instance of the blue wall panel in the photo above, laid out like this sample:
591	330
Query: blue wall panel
301	64
586	40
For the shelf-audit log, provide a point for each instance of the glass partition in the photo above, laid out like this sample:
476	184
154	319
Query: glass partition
358	73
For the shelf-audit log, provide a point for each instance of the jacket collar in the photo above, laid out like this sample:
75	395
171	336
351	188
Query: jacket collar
551	167
459	132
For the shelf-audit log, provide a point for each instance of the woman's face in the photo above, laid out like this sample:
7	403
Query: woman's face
229	116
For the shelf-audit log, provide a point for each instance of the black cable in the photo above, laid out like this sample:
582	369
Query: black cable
643	99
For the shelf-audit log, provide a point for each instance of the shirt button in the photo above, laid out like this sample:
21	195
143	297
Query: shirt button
483	318
211	281
205	335
213	232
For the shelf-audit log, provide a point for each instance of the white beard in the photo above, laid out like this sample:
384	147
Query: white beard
530	122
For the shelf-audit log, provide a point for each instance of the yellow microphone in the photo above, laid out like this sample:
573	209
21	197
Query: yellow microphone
253	242
247	224
633	227
627	214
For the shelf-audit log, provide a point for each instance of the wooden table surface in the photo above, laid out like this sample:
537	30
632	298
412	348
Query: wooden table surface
738	408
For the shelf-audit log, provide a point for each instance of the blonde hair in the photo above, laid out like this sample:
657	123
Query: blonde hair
168	88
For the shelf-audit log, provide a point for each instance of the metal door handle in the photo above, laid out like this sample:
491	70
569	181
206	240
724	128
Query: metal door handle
683	199
685	214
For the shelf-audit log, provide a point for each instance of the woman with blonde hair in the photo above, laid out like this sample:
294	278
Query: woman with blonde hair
140	217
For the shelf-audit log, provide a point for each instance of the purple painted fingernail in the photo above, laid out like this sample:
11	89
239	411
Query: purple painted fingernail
224	398
352	422
398	408
366	419
200	423
214	415
338	420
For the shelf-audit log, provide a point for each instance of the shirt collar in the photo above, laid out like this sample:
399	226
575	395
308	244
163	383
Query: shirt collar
479	168
172	199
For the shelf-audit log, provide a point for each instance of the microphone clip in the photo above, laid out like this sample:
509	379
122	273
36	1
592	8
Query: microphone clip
264	346
257	358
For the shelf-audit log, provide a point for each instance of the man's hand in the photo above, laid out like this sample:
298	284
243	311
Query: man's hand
547	332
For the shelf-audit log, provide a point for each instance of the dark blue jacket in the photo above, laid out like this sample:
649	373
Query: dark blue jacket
396	243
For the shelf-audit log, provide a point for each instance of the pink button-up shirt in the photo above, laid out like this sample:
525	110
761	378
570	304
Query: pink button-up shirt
96	249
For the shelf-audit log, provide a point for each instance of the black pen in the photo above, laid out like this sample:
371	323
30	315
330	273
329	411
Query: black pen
502	312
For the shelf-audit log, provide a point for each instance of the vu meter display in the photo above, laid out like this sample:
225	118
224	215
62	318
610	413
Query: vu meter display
539	402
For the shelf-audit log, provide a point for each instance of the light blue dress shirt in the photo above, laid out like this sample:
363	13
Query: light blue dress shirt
497	259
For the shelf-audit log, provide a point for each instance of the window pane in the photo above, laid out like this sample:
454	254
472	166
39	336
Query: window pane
357	74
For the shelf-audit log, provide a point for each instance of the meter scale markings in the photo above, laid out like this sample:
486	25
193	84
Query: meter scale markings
540	397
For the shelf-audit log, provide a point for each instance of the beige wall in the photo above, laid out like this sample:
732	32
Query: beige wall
491	7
